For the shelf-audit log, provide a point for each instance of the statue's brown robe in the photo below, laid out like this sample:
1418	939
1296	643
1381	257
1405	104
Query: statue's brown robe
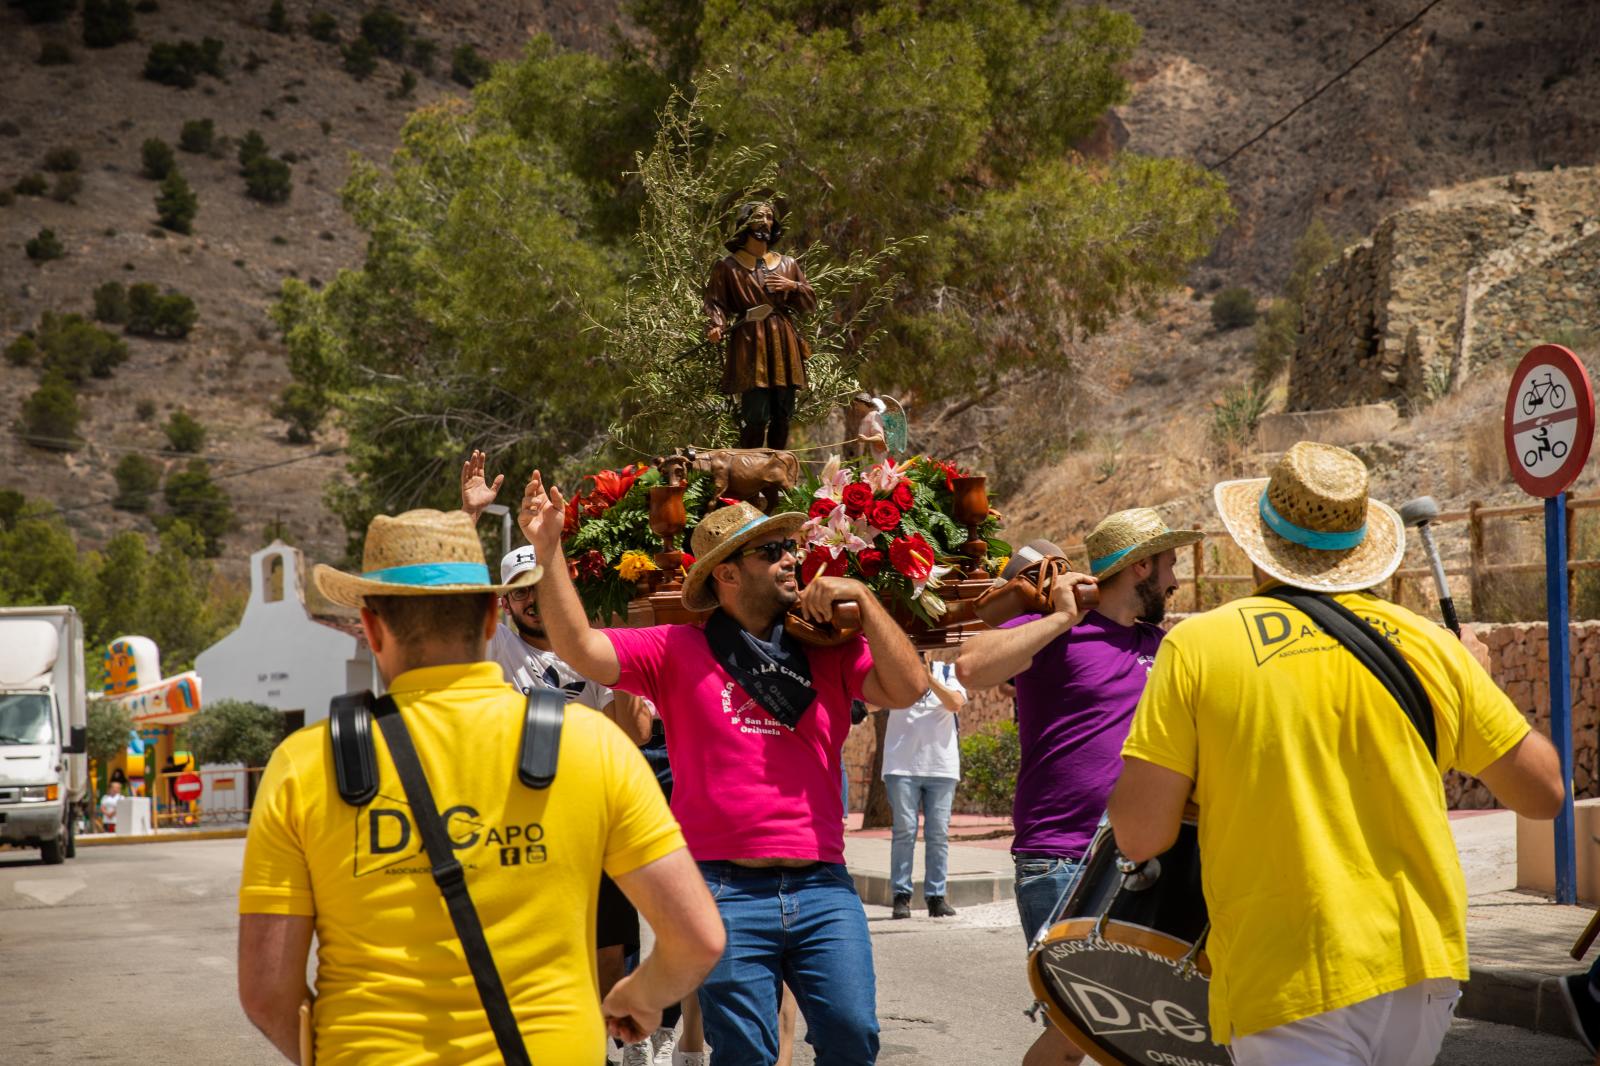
766	354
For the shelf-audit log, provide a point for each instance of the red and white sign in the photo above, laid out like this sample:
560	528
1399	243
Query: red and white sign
186	787
1549	423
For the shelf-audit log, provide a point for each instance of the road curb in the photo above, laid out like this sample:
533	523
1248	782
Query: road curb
1516	997
162	838
961	890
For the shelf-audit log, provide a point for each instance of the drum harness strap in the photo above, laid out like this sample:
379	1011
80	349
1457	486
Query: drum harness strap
1373	652
355	769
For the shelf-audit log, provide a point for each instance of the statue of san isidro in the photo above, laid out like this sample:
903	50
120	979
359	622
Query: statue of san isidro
751	299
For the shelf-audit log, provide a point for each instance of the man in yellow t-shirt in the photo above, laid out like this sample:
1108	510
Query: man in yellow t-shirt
392	981
1336	898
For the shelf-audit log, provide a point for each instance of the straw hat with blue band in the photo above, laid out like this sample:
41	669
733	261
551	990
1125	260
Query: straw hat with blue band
1123	538
418	553
1311	524
719	535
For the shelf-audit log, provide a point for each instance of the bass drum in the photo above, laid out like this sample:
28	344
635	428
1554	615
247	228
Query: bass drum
1121	970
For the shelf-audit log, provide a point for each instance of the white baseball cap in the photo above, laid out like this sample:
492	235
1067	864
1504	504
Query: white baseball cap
517	561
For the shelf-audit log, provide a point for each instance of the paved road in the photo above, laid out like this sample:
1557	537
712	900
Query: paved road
126	955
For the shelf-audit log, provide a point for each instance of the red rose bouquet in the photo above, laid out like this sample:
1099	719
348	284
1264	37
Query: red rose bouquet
892	526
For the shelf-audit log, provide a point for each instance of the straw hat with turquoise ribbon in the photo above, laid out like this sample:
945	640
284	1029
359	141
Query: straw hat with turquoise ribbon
418	553
1311	524
720	534
1123	538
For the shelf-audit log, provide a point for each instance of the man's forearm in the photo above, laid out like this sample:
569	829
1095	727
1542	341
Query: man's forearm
992	658
279	1022
583	648
899	671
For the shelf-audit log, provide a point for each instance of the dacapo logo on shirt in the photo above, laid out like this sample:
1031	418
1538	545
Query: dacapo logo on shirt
1274	631
387	837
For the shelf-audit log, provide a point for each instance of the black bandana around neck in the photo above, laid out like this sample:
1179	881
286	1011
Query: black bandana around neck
773	672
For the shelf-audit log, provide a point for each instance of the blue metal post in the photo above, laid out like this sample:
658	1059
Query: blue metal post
1555	580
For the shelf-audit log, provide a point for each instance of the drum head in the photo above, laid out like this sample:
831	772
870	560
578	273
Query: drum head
1124	998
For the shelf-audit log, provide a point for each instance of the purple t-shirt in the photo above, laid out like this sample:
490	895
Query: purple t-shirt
1074	706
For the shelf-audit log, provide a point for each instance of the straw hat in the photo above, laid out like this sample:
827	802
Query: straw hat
1311	524
1123	538
719	535
418	553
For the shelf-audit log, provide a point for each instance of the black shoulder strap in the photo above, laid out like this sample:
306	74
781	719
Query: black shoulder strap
1373	652
541	737
452	882
355	763
355	767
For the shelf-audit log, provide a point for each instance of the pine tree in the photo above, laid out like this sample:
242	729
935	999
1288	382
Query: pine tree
176	204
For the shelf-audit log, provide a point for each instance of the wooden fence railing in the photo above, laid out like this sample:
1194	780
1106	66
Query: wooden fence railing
1477	568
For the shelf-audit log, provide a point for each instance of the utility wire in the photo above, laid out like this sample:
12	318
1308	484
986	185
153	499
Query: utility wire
1330	83
318	454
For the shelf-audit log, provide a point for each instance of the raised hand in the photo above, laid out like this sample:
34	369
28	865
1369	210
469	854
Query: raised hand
476	492
541	518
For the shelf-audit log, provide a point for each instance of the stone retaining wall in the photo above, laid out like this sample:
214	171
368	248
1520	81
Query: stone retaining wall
1518	655
1473	275
1519	661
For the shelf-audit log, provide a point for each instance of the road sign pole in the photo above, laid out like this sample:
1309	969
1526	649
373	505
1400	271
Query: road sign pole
1555	581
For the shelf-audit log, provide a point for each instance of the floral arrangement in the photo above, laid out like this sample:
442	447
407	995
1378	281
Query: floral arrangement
607	539
891	526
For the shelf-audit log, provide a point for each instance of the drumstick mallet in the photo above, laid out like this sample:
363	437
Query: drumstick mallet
1418	513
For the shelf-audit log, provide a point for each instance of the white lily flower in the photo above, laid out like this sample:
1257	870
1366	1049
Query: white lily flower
884	476
834	481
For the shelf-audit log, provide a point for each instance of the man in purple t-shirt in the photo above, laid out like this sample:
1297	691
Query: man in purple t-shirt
1079	674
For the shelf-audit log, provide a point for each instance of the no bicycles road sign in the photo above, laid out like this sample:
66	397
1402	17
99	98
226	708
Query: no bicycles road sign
1549	422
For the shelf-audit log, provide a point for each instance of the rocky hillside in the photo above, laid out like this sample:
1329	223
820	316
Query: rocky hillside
1472	90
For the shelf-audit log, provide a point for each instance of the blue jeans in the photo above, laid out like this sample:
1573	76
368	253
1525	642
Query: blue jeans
804	928
908	794
1041	883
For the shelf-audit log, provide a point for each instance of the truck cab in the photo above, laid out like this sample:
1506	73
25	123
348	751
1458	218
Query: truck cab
43	715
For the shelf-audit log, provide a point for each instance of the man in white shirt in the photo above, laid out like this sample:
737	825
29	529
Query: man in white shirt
921	768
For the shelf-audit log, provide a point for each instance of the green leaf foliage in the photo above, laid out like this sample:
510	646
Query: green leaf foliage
196	501
107	23
176	203
50	416
234	731
931	159
75	349
137	478
109	725
184	432
156	159
989	762
152	313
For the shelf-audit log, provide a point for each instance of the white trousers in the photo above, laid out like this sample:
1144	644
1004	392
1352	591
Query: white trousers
1400	1028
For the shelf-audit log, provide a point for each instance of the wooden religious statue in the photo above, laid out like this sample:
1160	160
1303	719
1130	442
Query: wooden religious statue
752	301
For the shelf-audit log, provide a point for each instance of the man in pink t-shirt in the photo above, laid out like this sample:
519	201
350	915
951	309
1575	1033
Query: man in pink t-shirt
755	724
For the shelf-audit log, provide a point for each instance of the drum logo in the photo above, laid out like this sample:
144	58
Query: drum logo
1133	1001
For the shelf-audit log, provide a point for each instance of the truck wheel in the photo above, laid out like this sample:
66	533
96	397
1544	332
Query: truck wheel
54	852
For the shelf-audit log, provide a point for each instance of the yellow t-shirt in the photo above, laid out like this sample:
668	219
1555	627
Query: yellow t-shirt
1330	872
392	981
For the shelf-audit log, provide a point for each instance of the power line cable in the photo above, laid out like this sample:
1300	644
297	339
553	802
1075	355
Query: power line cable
318	454
1330	83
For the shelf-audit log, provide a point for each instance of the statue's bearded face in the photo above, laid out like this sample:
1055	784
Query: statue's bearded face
761	223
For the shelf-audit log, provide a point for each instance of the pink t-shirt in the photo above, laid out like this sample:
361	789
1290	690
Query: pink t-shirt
745	786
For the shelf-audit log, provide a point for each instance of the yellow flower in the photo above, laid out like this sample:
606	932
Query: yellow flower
997	565
634	564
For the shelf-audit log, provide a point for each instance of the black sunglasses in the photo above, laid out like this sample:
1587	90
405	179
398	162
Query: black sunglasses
771	551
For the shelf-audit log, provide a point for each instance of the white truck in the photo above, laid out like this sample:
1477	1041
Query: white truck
44	771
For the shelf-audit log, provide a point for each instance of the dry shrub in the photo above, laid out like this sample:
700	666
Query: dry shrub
1498	596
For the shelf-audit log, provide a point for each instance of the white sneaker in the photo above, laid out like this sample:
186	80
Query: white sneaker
639	1054
665	1042
691	1058
613	1050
